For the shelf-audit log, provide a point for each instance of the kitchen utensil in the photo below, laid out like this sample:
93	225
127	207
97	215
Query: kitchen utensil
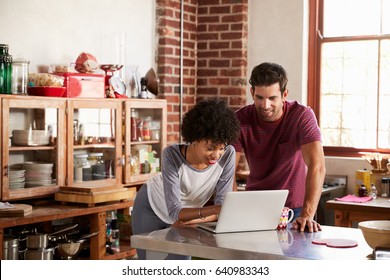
20	76
152	81
46	91
376	233
39	254
69	250
114	86
30	137
39	241
10	248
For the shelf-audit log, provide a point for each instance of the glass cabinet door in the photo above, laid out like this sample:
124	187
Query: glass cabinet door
33	146
94	143
145	138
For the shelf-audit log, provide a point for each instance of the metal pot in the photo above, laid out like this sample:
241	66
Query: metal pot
10	248
39	241
39	254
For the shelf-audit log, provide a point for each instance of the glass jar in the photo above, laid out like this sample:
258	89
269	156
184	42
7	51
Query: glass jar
20	76
98	167
5	70
81	168
134	166
95	158
145	131
362	191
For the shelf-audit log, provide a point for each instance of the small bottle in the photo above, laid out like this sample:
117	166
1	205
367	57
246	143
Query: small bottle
5	70
385	187
80	137
133	123
140	124
145	131
373	192
115	236
144	92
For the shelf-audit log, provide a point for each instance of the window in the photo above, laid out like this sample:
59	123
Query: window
349	74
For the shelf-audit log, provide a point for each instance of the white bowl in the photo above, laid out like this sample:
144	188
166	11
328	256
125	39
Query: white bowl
38	166
30	137
376	233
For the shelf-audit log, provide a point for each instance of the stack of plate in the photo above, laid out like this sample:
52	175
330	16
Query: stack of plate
30	137
38	173
16	179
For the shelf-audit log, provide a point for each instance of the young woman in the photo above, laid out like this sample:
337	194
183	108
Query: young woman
191	174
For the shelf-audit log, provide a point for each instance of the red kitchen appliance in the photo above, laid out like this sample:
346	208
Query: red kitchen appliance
84	85
114	86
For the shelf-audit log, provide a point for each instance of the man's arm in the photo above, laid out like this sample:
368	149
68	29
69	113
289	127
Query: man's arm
313	155
238	156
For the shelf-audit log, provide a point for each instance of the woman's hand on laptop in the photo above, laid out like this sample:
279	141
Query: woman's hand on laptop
190	216
305	223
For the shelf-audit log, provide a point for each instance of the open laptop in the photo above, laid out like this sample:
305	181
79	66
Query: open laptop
249	211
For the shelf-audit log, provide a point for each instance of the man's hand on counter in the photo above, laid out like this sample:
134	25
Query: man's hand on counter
302	224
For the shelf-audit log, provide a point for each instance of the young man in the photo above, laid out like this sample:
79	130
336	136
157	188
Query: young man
282	144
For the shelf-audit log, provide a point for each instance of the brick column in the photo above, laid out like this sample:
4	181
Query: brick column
222	50
214	54
168	59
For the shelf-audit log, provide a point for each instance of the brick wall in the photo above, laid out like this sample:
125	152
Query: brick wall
214	54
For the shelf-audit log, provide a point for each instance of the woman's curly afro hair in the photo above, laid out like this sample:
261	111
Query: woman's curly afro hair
210	119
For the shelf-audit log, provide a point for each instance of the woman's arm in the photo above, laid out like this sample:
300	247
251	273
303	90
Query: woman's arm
189	216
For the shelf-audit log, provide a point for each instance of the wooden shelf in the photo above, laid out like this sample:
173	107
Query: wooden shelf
96	215
126	252
31	148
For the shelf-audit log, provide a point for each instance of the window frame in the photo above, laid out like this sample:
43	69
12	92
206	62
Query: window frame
314	78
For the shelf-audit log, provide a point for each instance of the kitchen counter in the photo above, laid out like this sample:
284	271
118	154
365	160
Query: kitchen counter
345	213
265	245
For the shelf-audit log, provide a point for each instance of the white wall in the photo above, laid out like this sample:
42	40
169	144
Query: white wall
278	32
55	31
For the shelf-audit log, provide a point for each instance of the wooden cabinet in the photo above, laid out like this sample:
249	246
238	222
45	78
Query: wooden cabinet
73	127
145	138
21	117
94	131
80	127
